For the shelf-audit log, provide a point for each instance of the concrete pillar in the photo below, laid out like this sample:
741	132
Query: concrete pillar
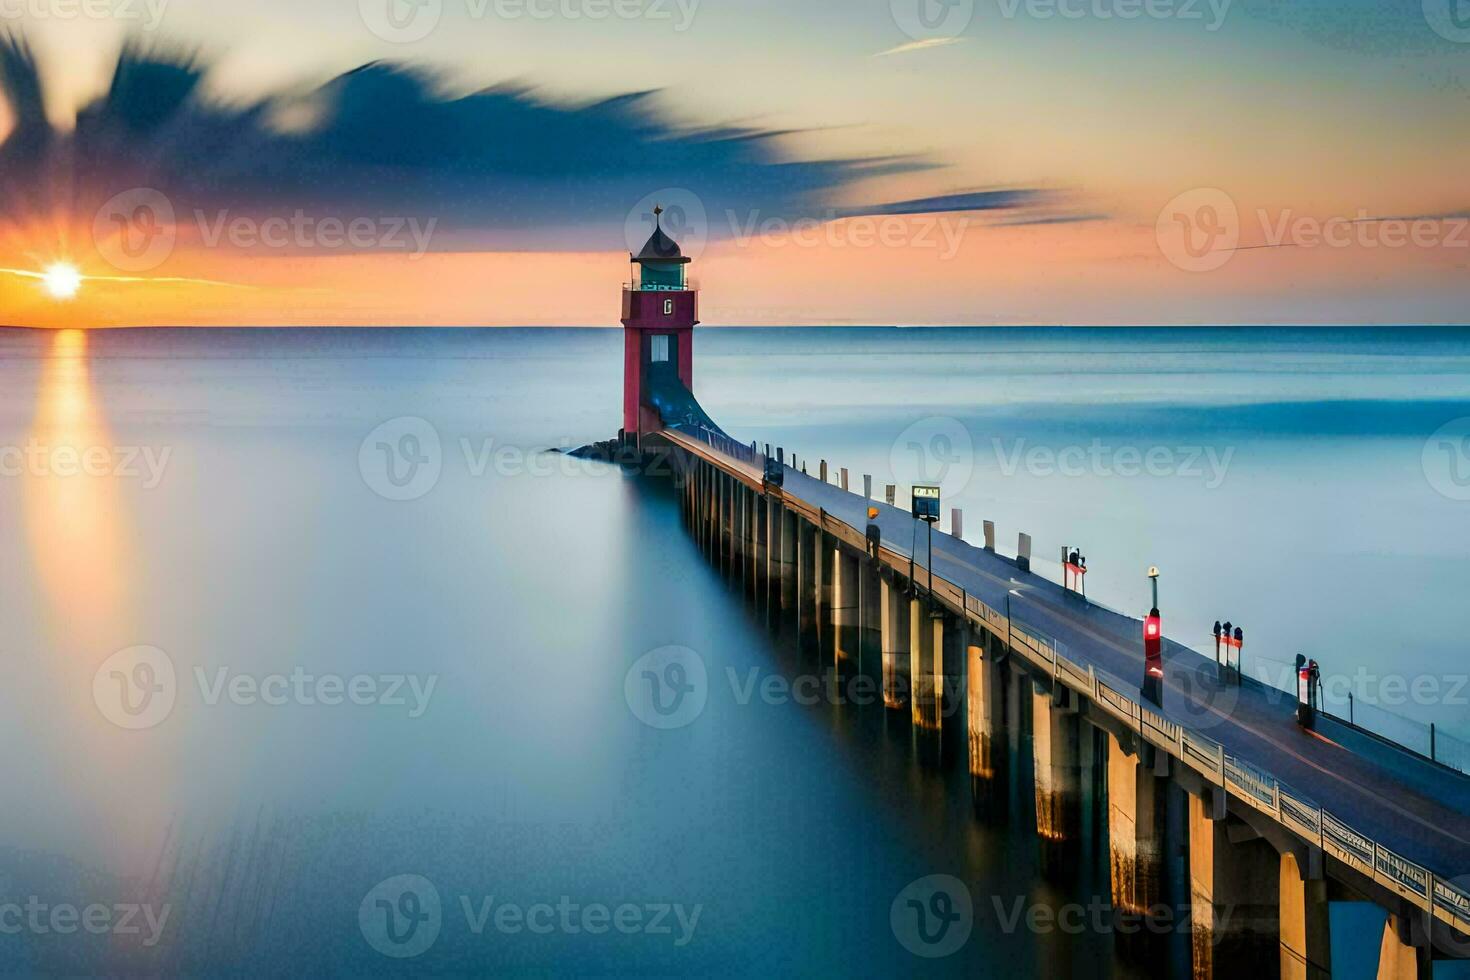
846	602
895	629
870	619
1234	883
926	663
788	521
1398	958
984	711
755	506
826	578
762	546
808	539
1306	949
1137	828
1058	772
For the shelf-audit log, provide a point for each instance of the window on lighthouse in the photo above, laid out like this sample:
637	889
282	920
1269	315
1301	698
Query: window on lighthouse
659	348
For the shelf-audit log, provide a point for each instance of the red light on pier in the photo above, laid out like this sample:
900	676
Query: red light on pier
1153	628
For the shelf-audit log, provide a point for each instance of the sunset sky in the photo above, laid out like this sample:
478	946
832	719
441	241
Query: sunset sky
827	161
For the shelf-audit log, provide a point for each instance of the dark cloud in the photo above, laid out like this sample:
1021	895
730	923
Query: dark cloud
498	168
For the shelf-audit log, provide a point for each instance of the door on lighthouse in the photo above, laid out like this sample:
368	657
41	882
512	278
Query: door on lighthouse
661	363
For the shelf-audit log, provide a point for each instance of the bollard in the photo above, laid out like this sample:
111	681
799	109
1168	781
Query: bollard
867	486
844	478
989	535
780	455
957	522
823	471
1023	552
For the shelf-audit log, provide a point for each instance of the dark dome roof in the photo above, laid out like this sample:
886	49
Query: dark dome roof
660	247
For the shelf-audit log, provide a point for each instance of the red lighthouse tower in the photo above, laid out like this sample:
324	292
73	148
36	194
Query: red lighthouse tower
660	310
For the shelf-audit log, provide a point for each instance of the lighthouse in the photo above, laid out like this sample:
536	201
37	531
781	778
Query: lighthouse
660	310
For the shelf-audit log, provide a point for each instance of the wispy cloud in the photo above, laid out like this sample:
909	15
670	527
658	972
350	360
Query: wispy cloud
924	45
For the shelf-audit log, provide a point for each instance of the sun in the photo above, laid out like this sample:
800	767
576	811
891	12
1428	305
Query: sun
61	280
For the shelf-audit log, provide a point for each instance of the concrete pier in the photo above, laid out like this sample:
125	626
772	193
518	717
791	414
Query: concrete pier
1306	944
1234	882
1398	957
870	619
1259	852
985	687
897	688
846	606
808	538
926	663
1137	830
1054	731
787	531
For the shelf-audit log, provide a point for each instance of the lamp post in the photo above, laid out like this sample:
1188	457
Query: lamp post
1153	657
924	503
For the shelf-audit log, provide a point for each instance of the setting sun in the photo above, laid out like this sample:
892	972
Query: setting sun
62	280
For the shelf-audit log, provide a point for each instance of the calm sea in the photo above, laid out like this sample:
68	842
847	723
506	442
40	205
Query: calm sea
291	615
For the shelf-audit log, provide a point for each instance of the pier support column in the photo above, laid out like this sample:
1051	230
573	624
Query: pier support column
1306	950
897	687
985	705
826	578
870	619
808	540
1234	883
787	532
1058	774
769	542
846	599
1398	957
740	529
754	502
926	663
1137	828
